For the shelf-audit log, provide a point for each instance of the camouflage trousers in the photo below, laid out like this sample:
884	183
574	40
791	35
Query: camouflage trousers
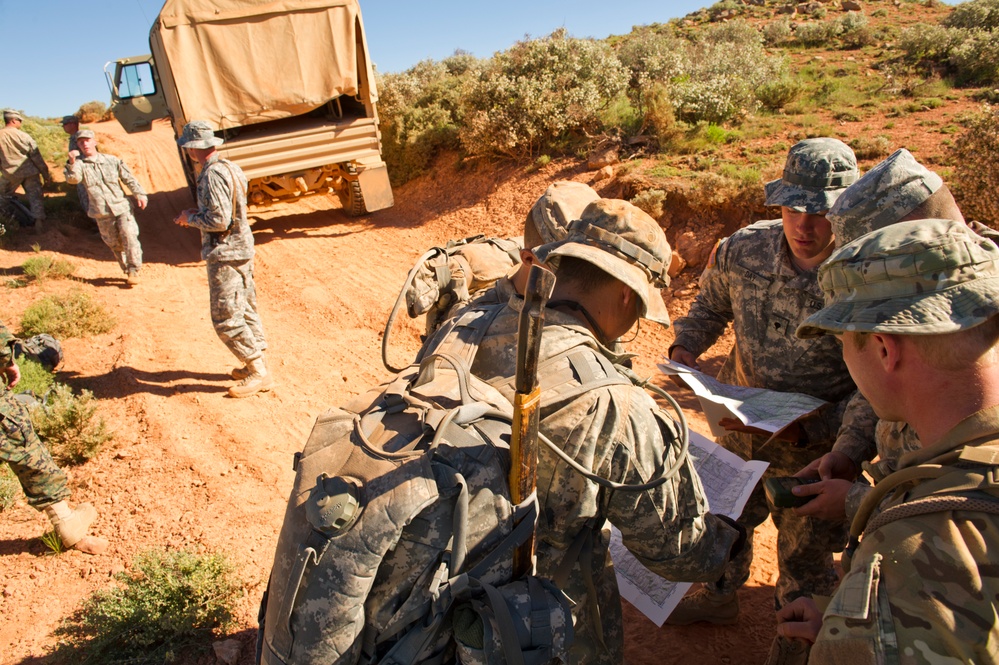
234	308
43	482
32	189
121	234
804	544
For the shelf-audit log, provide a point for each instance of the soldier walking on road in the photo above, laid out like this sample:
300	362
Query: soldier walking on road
227	247
21	165
43	482
107	203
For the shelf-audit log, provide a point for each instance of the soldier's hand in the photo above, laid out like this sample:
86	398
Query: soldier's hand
73	154
141	202
799	620
829	502
181	219
831	465
13	374
681	355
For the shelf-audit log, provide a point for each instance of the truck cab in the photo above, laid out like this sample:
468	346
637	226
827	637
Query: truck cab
288	85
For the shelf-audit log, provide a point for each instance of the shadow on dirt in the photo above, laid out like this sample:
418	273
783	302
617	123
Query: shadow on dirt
124	380
14	546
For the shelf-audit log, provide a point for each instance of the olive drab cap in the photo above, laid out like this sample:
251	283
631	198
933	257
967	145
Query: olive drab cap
816	172
85	134
11	114
922	277
198	134
883	196
70	119
624	242
563	202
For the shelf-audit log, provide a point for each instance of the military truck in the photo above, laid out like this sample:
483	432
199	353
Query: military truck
288	84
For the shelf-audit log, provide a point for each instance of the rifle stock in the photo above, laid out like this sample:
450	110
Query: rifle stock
527	402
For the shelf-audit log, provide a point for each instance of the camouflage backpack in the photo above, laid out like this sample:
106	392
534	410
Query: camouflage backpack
43	348
398	539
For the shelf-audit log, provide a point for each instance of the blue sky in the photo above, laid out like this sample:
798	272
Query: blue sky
56	49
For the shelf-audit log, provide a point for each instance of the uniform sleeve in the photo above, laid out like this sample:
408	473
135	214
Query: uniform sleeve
74	172
855	432
6	344
711	310
125	174
215	214
36	157
667	528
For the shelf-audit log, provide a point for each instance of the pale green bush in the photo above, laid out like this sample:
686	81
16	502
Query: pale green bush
651	201
816	34
974	15
539	95
975	178
777	32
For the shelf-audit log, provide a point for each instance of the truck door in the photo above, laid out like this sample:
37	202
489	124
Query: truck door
136	94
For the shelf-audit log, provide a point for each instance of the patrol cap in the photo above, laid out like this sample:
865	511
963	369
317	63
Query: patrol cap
815	174
85	134
198	134
69	119
624	242
11	114
921	277
883	196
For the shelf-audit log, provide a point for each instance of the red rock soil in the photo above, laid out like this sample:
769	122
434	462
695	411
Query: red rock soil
192	468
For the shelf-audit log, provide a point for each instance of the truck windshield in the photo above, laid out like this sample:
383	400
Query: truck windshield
135	80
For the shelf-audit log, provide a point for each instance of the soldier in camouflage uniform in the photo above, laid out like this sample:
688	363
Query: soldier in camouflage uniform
915	305
71	125
610	270
21	165
896	190
43	482
227	247
763	280
107	204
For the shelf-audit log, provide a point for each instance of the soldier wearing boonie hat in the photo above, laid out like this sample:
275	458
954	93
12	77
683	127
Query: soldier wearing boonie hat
915	304
763	279
22	165
609	269
227	248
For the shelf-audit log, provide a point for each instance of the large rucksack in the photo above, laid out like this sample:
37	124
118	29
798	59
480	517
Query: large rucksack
398	538
43	348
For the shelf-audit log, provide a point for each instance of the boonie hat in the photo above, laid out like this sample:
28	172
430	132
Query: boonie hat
563	202
85	134
815	174
922	277
883	196
11	114
68	119
624	242
198	134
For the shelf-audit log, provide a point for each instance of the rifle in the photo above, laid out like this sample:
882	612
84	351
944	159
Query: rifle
527	403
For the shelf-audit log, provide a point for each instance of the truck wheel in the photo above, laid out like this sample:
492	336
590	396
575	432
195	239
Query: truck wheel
351	197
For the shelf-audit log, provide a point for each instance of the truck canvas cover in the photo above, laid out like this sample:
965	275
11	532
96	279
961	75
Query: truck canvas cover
246	62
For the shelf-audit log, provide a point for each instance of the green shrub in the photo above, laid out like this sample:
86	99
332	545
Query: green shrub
974	155
871	148
168	605
34	377
976	59
69	425
71	315
776	94
94	111
10	488
652	59
651	201
974	15
539	95
419	112
45	266
816	34
777	32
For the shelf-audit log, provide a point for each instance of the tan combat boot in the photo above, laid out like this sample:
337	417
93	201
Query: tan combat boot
788	652
240	373
133	276
705	605
258	380
71	526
